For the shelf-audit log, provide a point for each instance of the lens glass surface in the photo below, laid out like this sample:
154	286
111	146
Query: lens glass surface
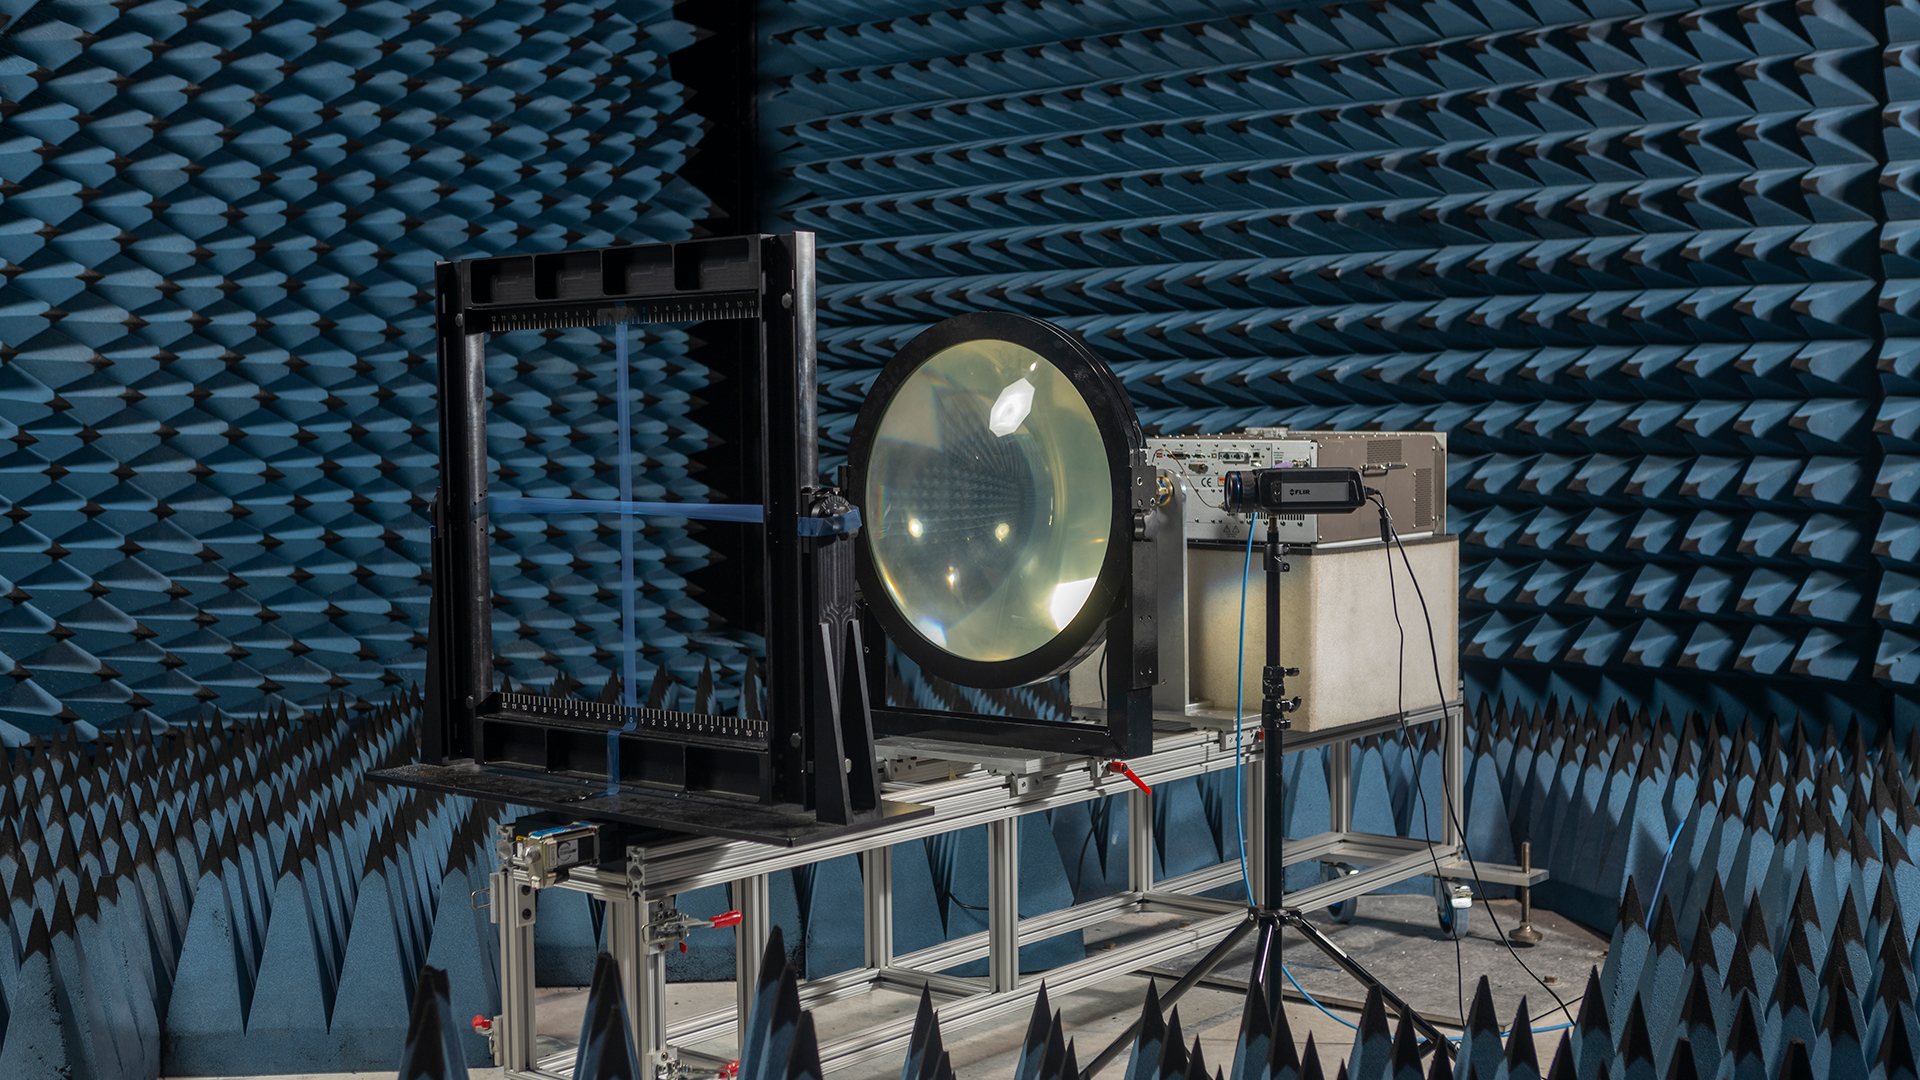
988	500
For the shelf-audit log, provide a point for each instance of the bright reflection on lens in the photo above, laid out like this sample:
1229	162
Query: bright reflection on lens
1010	409
1067	600
988	500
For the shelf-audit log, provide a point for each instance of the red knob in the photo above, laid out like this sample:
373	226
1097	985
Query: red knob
482	1025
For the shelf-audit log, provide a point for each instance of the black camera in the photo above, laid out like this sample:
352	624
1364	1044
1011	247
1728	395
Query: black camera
1294	491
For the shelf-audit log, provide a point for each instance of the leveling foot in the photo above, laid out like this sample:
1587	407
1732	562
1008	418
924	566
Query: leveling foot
1525	934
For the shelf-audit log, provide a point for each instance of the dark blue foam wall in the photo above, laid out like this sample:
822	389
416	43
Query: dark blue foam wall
1628	256
217	229
552	433
1897	487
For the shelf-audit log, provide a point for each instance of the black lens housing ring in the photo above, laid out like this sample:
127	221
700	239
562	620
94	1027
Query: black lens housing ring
1120	435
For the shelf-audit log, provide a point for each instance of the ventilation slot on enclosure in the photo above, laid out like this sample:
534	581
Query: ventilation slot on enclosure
1423	498
1383	451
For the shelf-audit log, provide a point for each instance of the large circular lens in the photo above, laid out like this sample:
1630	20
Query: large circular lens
986	461
989	500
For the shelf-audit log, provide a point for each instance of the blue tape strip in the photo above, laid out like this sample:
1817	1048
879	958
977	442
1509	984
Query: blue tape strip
569	827
519	504
830	526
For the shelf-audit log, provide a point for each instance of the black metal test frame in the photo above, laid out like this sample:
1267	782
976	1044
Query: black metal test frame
803	771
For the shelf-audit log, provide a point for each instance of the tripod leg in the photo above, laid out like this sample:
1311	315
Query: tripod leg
1187	982
1267	958
1432	1034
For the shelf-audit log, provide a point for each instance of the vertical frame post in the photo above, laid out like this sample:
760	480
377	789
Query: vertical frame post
751	899
790	461
1453	749
1139	841
650	999
877	885
627	943
1003	904
466	643
512	904
1133	638
643	973
1168	526
1340	786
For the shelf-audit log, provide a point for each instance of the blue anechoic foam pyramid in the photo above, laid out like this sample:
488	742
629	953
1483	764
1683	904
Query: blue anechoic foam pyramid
1759	881
1623	253
1897	424
232	897
1688	808
217	229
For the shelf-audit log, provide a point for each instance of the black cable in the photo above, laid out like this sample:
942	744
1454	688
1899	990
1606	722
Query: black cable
1447	796
1406	737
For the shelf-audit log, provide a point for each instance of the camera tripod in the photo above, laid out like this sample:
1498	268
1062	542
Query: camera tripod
1269	919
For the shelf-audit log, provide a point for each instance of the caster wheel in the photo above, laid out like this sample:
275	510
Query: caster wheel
1453	905
1344	911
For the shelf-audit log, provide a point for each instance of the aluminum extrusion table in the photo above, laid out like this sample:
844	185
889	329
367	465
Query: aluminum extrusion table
966	786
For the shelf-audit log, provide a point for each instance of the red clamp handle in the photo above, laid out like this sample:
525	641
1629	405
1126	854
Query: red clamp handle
1121	768
725	919
482	1025
732	1068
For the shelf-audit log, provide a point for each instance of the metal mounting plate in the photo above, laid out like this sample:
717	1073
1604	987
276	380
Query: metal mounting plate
1011	761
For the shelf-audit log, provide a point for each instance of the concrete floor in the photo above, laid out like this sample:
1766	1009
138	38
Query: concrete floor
1393	936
